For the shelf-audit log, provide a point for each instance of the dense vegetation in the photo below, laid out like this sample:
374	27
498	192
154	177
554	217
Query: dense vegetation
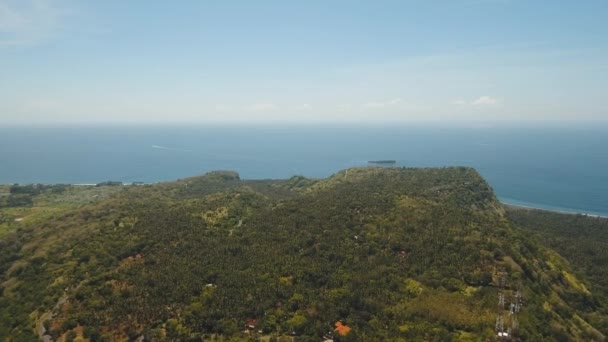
581	239
18	196
367	254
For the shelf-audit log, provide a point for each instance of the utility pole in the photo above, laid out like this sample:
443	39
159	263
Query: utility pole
501	300
499	324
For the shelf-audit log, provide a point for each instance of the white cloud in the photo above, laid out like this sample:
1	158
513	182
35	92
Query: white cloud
304	106
480	101
382	104
261	107
27	22
254	107
484	101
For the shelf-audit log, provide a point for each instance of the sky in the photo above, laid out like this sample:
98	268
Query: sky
116	61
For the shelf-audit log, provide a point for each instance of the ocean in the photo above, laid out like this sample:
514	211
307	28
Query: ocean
558	167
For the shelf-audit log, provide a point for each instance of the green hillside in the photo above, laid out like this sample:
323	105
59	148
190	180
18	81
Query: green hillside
582	240
367	254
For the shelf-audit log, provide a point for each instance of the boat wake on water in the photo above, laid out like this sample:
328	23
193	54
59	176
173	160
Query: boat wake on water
170	148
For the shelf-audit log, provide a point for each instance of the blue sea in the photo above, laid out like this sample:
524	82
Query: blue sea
560	167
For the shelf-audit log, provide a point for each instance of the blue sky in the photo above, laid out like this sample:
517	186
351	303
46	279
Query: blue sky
65	61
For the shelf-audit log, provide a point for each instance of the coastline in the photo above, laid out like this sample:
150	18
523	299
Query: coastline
557	211
506	202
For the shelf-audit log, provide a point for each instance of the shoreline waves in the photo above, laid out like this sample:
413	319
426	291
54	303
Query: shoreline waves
529	206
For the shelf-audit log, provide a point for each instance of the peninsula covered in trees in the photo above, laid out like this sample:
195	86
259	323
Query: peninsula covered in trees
400	254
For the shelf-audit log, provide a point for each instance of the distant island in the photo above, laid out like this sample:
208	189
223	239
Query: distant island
381	161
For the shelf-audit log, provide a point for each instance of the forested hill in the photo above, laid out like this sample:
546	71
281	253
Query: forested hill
367	254
581	239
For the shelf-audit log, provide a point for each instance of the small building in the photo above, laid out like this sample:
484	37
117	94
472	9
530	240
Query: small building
342	329
251	324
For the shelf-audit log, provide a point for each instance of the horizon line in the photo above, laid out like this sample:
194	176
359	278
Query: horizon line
215	123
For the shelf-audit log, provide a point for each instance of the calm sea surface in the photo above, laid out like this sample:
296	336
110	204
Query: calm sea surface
557	167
